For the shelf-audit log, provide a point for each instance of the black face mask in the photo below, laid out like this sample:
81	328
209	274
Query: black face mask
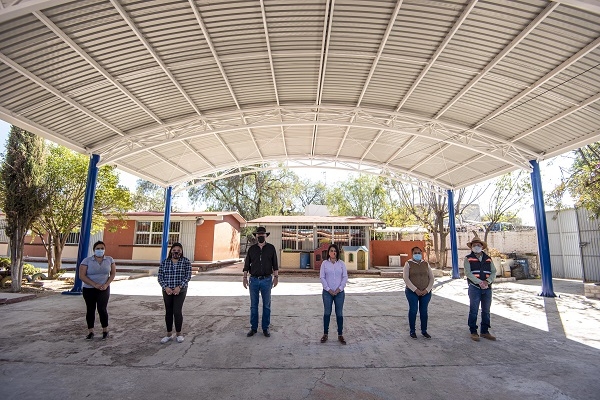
175	255
261	239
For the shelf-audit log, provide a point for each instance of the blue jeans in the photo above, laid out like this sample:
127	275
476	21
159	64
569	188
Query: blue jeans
328	301
476	296
415	303
262	286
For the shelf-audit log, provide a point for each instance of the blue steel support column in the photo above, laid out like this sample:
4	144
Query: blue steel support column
166	223
452	227
86	221
542	230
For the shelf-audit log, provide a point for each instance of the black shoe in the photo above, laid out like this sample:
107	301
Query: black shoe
251	332
426	335
104	335
267	333
90	336
413	335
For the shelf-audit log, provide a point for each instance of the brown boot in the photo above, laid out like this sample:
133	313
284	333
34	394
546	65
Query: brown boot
475	337
341	339
324	338
488	336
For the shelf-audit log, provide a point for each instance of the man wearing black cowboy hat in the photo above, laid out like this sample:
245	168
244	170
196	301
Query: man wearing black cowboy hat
480	272
261	262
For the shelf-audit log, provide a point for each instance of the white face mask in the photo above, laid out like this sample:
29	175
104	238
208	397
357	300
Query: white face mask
477	249
99	252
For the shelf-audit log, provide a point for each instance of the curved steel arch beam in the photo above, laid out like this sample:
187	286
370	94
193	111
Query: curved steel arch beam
231	118
18	9
396	174
451	133
471	142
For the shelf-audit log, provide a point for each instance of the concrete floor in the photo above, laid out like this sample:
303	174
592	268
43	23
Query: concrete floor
547	348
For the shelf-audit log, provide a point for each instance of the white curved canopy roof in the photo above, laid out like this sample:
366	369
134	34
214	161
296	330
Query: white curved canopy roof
446	92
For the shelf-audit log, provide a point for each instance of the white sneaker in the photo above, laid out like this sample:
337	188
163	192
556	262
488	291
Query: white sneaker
180	339
166	339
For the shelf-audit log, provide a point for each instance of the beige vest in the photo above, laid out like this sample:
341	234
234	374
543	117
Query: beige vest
419	274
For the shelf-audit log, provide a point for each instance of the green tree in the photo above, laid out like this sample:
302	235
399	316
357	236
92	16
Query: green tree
364	196
252	193
149	197
66	174
306	192
581	181
24	194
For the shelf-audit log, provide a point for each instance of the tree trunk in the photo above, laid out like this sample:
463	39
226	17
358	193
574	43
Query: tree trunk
57	255
16	259
50	257
444	249
487	231
49	254
436	246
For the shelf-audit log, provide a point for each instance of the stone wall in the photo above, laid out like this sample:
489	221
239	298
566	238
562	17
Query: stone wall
523	244
505	242
591	291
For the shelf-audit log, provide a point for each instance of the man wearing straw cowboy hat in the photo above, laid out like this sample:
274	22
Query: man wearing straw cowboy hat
480	272
261	263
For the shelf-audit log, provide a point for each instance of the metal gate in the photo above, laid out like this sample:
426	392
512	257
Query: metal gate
574	241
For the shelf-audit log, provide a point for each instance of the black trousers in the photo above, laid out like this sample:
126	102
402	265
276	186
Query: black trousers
173	308
96	299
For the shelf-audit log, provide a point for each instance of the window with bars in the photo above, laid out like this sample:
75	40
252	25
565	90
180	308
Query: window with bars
324	234
342	235
289	237
73	238
150	232
357	236
297	237
306	237
3	237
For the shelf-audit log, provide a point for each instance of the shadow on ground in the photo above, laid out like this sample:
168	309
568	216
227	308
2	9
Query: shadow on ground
43	348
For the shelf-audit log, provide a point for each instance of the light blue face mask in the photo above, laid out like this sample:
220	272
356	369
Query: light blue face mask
99	252
417	257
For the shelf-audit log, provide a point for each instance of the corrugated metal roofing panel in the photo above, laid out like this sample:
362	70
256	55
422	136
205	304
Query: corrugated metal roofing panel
278	55
436	89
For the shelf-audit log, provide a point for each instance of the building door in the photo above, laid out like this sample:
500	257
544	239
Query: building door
360	264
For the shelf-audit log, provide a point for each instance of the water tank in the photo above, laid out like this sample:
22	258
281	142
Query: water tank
305	260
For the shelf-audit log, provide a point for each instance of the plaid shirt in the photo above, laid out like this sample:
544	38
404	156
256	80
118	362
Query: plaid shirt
172	274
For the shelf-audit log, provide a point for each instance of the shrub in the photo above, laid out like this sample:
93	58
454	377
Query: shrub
29	269
4	262
492	252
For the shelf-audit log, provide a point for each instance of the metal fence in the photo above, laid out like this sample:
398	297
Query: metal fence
574	239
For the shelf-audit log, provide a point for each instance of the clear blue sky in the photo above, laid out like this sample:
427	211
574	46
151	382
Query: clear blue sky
550	175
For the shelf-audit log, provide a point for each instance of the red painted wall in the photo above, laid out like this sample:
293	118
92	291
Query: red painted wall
215	240
33	248
119	244
226	239
203	250
381	249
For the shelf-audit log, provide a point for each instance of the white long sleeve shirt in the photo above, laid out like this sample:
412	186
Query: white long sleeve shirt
333	275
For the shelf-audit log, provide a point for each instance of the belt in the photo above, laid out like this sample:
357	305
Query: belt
260	276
